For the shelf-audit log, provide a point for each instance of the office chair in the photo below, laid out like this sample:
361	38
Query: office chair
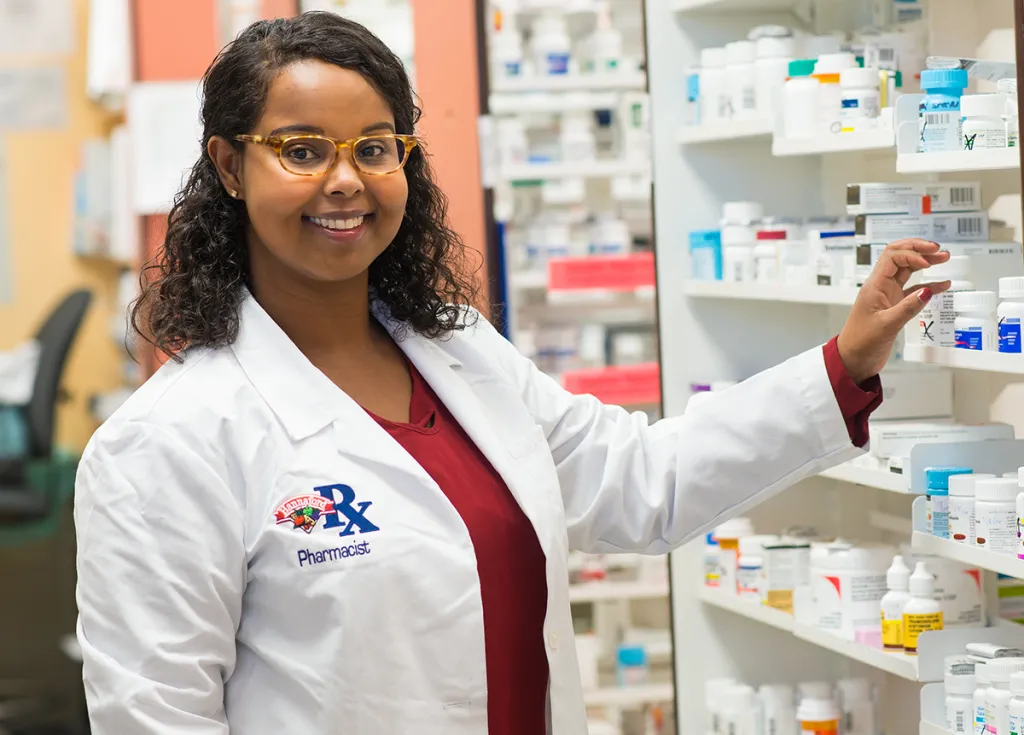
20	500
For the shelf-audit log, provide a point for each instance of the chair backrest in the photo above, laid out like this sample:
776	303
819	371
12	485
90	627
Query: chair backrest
55	338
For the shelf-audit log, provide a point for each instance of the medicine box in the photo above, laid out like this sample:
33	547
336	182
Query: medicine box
896	438
885	228
915	393
785	567
912	198
833	257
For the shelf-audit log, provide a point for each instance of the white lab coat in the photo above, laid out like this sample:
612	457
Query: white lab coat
200	613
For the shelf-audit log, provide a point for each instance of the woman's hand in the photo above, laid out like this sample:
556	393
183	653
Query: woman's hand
884	306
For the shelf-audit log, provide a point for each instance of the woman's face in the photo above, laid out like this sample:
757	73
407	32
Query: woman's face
328	227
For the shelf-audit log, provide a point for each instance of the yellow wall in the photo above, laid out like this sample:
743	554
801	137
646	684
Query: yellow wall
39	181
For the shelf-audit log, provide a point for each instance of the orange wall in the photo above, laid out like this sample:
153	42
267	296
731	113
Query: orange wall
447	80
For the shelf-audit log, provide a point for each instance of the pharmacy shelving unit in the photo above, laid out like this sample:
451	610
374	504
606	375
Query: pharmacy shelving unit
719	331
824	295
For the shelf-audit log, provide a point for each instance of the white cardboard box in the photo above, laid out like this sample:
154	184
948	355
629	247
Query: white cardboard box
895	438
915	394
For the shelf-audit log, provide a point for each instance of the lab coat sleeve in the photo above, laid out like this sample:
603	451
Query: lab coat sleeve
161	570
630	485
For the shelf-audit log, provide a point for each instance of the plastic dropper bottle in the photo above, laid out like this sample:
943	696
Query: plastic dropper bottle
922	612
893	603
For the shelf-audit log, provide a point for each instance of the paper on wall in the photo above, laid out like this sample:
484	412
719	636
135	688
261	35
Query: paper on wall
36	26
33	98
165	141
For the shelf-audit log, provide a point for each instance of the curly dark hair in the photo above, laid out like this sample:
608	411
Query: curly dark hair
192	290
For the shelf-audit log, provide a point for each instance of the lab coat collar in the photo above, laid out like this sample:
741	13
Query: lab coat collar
301	396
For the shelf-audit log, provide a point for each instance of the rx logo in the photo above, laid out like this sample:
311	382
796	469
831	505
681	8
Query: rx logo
345	512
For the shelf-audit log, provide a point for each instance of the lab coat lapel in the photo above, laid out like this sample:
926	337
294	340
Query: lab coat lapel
445	377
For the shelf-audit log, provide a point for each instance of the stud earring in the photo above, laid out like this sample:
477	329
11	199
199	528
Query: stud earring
233	193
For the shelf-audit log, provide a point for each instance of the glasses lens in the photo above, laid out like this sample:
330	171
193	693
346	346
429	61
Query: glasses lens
308	155
379	155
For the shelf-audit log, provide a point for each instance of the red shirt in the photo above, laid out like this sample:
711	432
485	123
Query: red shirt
510	562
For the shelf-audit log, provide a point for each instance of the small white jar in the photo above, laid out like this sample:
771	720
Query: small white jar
1017	702
936	322
961	507
1008	88
861	95
1010	313
960	685
983	123
800	101
738	240
995	515
713	91
975	324
576	137
771	70
741	78
981	682
551	44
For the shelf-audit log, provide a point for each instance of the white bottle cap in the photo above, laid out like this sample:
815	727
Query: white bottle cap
771	47
738	697
735	528
712	58
974	302
835	63
963	485
777	695
1017	683
996	490
814	690
741	52
856	78
1020	477
898	576
960	683
957	268
1000	669
982	105
817	709
1011	287
754	545
922	584
741	213
981	675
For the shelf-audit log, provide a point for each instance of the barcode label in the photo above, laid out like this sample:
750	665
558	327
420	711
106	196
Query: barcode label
1002	251
938	118
969	226
961	195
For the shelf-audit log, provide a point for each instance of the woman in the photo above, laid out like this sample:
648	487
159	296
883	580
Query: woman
346	505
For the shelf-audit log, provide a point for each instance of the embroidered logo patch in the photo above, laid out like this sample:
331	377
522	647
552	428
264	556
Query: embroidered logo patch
303	511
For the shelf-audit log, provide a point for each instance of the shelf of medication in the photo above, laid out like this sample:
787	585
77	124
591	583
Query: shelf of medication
607	590
725	130
1011	566
866	140
630	696
544	102
623	81
829	295
858	474
993	362
897	664
597	168
994	159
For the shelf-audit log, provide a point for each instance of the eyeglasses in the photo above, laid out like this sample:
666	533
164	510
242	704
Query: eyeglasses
312	155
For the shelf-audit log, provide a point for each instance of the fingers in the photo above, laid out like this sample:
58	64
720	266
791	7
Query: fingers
903	258
914	244
936	287
911	305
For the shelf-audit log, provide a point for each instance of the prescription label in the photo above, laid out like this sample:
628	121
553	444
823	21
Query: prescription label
892	634
916	624
1009	334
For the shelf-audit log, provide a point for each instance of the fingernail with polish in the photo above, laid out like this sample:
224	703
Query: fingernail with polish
925	294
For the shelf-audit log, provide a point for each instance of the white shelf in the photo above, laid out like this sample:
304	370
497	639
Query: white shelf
971	555
955	161
868	477
623	80
545	102
731	6
897	664
733	603
634	696
603	591
993	362
725	131
835	143
930	728
832	295
581	169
